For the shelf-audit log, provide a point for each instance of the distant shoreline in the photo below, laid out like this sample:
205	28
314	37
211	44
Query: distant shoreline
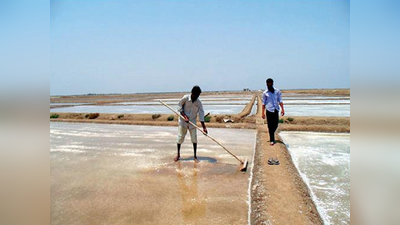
223	91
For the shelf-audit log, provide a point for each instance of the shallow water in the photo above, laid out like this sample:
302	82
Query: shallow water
312	101
119	174
254	108
213	97
205	102
324	163
66	103
225	97
315	97
145	103
146	109
318	110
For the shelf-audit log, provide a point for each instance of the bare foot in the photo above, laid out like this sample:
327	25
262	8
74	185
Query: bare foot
176	159
196	160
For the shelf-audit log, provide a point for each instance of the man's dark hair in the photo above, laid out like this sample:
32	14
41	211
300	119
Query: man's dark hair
269	80
196	90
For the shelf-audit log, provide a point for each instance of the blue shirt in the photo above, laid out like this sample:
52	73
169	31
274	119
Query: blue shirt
272	100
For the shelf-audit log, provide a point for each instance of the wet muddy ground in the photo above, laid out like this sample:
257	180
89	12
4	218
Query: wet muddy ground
119	174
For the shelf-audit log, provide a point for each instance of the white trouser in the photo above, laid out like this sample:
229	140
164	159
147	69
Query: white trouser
182	130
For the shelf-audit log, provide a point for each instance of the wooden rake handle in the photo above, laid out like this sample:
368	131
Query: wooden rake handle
198	128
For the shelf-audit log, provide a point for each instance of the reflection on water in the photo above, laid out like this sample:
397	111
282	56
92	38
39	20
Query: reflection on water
193	203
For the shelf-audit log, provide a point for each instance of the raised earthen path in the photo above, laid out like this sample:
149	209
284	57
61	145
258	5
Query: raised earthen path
278	194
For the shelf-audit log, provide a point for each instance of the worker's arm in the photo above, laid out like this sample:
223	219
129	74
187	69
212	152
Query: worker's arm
283	110
181	104
264	101
201	117
204	127
263	111
281	103
185	116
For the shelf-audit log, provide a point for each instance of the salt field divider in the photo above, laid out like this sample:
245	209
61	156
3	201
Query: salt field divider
251	179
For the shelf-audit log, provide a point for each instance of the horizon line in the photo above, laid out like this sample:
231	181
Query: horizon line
162	92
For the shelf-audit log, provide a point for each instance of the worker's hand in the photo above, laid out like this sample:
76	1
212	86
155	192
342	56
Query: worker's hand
283	112
186	119
205	130
263	116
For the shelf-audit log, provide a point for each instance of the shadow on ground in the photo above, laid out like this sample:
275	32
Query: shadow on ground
200	158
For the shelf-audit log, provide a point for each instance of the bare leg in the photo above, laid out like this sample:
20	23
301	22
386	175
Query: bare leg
179	152
195	152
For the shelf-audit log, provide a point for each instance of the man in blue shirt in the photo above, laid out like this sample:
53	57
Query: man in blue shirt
272	99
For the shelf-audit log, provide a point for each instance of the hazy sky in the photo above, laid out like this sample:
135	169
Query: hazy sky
125	46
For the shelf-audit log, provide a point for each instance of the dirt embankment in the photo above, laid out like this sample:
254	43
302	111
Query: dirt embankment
256	118
247	109
278	194
325	92
316	124
259	105
138	119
